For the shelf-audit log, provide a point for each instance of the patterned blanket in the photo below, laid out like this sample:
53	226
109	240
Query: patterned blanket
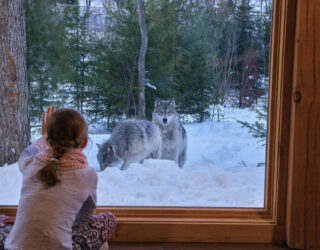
90	235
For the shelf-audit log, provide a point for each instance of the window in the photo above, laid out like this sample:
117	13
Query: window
220	224
211	57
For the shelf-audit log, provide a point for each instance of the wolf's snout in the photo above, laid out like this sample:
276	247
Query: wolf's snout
165	120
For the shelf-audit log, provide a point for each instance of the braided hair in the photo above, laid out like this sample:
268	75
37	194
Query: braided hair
66	129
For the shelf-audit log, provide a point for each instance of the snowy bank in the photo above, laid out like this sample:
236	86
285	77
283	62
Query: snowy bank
163	183
221	171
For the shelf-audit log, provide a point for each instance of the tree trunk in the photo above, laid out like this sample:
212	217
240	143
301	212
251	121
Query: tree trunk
128	106
142	59
14	118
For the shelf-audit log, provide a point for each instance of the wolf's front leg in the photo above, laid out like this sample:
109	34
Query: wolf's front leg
175	154
157	153
182	158
131	159
124	166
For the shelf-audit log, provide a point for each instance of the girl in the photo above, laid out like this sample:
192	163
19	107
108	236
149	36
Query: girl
58	192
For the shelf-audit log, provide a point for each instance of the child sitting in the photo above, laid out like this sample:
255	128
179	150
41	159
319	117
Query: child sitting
58	193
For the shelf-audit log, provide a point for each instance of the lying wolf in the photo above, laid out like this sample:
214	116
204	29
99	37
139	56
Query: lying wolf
131	141
174	136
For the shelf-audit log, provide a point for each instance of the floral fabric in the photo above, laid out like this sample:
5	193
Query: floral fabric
89	235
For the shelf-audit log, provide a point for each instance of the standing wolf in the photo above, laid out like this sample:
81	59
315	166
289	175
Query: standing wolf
174	136
131	141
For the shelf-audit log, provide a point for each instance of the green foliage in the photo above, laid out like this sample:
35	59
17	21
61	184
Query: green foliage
177	62
245	26
78	64
258	129
219	29
199	54
192	86
119	60
263	35
45	42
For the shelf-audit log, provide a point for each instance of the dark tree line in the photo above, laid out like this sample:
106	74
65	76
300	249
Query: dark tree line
203	53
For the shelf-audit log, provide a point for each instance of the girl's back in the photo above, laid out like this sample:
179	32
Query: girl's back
47	212
55	210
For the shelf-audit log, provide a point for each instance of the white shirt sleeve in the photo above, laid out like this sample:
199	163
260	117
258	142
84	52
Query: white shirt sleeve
30	152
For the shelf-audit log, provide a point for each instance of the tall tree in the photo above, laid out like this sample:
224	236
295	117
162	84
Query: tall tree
77	63
142	59
245	53
163	22
118	59
221	39
14	119
46	51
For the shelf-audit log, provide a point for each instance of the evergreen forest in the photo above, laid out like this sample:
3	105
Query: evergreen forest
203	53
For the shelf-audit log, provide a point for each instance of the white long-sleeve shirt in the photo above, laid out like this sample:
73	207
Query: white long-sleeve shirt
45	215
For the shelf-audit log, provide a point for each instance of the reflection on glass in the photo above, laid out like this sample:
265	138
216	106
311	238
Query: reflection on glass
206	93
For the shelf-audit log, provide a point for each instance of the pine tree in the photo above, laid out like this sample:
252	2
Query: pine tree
77	64
220	32
162	21
178	62
245	26
192	55
106	100
258	129
45	49
248	81
262	37
119	60
192	84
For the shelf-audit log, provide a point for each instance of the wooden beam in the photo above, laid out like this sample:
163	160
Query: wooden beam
303	196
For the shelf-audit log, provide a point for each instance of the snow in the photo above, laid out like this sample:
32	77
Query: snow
221	171
94	3
148	84
10	184
163	183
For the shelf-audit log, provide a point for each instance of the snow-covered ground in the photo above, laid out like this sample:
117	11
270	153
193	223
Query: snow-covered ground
221	171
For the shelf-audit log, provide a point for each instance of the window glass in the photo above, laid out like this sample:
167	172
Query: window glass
206	83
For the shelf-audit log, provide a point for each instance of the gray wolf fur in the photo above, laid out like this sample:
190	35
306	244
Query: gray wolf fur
131	141
173	134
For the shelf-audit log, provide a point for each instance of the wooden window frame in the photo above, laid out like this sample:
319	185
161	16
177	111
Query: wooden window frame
261	225
303	195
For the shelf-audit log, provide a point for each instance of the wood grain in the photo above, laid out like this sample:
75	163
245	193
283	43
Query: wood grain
279	105
194	246
303	210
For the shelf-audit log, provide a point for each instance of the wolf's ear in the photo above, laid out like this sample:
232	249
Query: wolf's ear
99	146
173	102
157	102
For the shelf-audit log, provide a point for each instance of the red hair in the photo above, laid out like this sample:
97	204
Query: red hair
66	129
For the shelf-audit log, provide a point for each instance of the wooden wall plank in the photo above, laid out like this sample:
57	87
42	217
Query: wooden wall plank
303	210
